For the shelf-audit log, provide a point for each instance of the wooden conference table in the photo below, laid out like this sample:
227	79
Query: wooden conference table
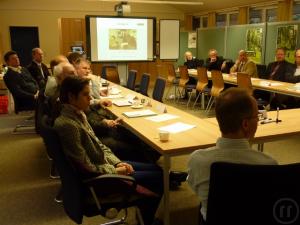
260	84
203	135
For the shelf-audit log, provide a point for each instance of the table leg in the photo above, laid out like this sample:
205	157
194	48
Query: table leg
260	147
167	164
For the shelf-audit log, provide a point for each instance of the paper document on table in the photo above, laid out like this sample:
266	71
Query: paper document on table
177	127
112	96
122	102
139	113
162	117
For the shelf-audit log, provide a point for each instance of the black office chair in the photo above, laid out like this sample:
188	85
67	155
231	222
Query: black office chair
253	194
159	89
144	85
103	195
23	104
131	79
261	71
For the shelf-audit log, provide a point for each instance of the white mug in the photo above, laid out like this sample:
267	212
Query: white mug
164	135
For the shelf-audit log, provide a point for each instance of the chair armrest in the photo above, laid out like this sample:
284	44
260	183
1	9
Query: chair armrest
111	184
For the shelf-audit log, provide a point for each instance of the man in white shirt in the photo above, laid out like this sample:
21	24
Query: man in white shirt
237	115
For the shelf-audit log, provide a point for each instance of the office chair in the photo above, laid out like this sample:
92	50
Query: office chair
131	79
102	195
253	194
21	105
110	73
159	89
144	85
261	71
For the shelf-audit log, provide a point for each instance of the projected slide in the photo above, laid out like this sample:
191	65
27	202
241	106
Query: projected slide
121	39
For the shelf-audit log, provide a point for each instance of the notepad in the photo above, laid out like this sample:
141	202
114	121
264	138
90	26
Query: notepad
122	102
177	127
162	117
140	113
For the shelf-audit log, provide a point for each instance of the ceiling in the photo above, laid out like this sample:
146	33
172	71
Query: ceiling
212	5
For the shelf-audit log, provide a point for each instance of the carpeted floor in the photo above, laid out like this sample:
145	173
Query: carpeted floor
27	192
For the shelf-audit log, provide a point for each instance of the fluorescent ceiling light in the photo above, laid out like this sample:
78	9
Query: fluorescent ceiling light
153	2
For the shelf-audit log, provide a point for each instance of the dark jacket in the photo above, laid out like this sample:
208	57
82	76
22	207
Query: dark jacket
193	64
290	76
216	65
22	86
35	71
283	73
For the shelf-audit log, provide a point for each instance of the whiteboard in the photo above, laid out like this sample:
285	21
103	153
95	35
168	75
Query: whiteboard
169	39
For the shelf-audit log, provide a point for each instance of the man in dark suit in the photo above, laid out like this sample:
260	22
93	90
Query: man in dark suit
38	69
20	83
214	62
279	70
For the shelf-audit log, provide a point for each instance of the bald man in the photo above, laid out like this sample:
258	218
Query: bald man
37	68
245	65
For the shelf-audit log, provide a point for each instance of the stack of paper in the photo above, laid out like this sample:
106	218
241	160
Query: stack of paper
139	113
177	127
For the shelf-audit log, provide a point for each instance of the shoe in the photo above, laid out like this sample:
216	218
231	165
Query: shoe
178	176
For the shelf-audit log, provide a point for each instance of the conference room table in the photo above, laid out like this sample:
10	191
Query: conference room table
204	133
274	86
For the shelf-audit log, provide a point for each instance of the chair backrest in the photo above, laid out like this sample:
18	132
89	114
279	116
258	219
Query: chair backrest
253	194
145	80
159	89
244	81
71	184
184	76
103	71
131	79
171	73
202	78
261	70
217	83
112	75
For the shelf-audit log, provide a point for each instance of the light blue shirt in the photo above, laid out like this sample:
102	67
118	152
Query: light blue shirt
226	150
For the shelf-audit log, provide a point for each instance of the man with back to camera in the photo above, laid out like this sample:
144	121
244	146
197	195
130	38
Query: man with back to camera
20	82
38	69
237	116
244	65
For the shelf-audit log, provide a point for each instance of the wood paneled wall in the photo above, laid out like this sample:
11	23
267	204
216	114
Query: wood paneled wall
71	30
285	9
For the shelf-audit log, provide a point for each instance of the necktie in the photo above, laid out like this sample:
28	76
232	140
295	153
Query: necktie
241	67
41	69
274	71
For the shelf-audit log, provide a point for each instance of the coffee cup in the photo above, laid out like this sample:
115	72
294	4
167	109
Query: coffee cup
164	135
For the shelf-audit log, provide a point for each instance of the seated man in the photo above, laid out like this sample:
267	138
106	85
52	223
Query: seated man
245	65
20	82
214	62
280	70
237	116
92	158
190	61
37	68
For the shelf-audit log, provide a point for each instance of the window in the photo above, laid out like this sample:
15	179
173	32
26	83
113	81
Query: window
221	20
296	11
271	15
196	22
255	16
233	19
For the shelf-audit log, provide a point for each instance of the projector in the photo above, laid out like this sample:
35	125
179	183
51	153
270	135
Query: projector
122	8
